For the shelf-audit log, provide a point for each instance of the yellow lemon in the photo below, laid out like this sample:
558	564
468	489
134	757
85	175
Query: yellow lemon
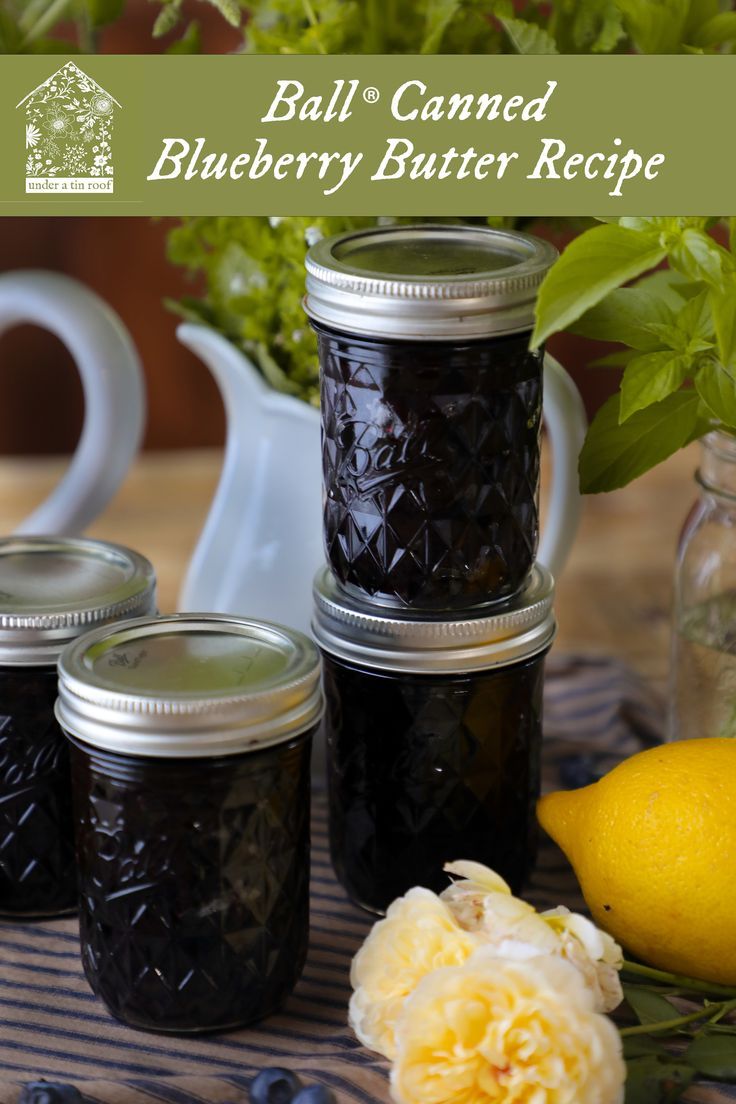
653	845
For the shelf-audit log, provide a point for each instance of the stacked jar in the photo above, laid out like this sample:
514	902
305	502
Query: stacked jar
432	616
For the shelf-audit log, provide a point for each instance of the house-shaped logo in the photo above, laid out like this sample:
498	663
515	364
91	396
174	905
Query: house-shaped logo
68	132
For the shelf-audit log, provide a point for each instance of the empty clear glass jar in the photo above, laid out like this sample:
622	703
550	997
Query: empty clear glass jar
190	743
51	590
703	672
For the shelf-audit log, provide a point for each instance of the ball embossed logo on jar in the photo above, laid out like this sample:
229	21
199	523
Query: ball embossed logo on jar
431	411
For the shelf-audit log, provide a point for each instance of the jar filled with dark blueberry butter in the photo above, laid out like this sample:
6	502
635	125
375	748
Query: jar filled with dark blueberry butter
190	740
431	410
51	590
434	733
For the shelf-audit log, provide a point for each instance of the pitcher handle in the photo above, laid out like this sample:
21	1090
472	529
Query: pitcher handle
112	380
566	421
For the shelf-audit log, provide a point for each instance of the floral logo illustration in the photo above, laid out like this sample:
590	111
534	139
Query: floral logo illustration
69	123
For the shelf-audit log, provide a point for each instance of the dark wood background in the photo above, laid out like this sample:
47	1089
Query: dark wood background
124	260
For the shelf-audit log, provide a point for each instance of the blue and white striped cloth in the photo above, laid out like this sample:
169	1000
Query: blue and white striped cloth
52	1027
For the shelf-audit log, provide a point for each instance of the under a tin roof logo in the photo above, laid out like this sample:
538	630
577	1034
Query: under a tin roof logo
69	122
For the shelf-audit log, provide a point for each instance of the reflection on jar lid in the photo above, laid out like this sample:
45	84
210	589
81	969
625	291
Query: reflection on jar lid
189	685
395	640
428	282
53	589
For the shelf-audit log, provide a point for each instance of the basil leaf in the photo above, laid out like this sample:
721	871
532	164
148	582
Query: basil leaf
695	323
614	454
528	38
650	378
625	315
724	318
716	386
699	257
648	1007
592	266
652	1080
619	359
713	1056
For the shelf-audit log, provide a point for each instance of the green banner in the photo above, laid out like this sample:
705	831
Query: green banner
471	135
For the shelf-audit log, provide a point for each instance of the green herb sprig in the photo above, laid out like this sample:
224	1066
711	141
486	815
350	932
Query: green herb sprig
673	1043
678	327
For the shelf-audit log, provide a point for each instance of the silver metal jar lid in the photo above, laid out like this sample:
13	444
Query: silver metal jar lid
378	638
189	686
53	589
428	282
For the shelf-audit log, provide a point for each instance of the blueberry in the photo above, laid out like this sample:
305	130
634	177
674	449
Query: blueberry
273	1086
315	1094
49	1092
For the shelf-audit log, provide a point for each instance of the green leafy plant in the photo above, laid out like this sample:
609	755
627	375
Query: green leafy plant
253	269
677	326
399	26
31	26
475	26
684	1032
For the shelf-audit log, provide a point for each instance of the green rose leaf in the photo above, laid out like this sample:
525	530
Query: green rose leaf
528	38
641	1046
713	1056
652	1080
647	1006
716	386
614	454
650	378
592	266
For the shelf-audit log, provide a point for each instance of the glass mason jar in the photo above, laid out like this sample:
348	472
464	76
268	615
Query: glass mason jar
433	739
190	742
703	670
431	410
51	590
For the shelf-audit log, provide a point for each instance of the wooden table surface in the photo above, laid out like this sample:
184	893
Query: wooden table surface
613	598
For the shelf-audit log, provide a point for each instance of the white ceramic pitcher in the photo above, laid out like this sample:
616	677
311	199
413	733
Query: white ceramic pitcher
113	392
262	542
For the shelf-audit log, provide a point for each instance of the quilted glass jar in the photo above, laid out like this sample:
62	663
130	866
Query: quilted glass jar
190	742
433	739
431	411
51	590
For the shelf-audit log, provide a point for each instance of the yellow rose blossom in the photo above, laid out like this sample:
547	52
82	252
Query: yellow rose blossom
418	935
482	903
494	1031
